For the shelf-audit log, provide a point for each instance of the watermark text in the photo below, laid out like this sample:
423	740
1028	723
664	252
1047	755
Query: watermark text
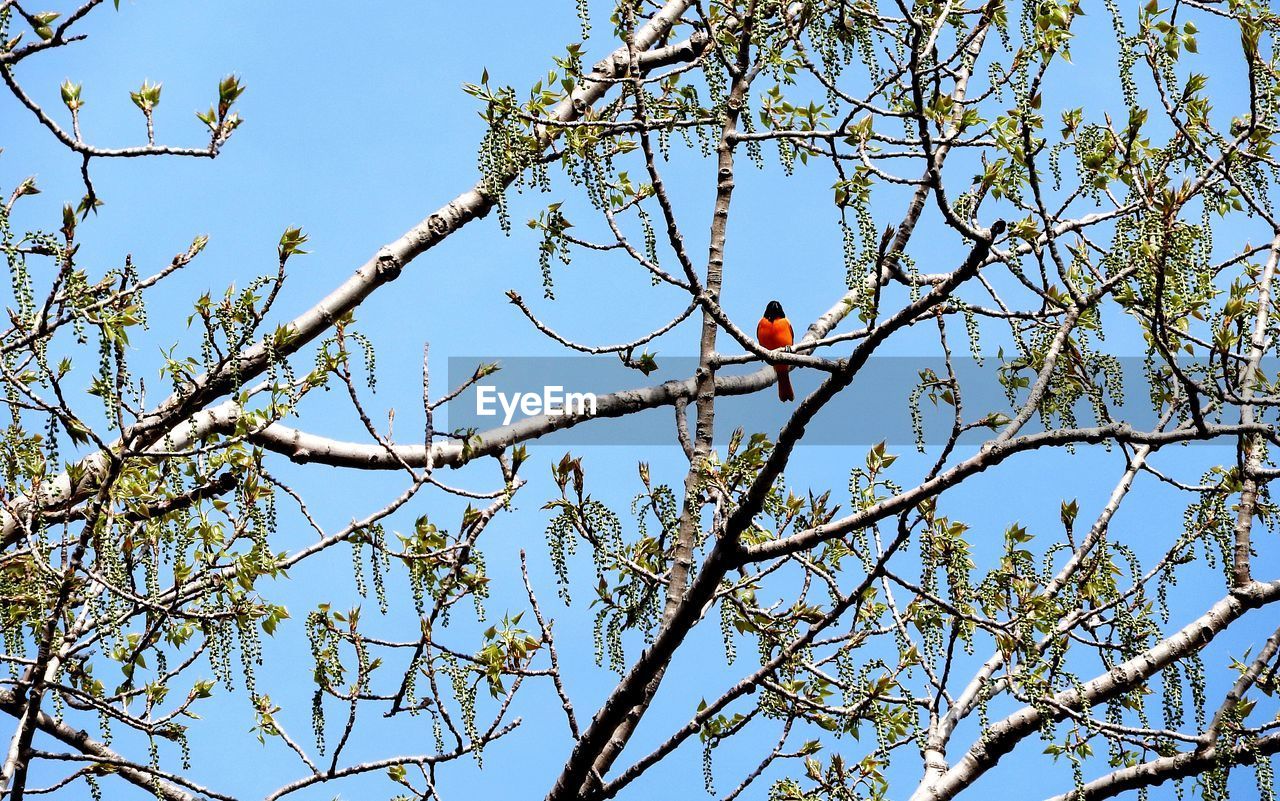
552	401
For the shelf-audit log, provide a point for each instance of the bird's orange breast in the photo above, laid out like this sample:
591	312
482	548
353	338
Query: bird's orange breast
774	334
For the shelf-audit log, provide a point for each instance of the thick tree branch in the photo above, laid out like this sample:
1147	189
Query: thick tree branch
80	740
1002	737
384	267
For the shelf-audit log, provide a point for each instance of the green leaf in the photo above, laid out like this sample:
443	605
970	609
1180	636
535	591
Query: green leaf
291	242
646	363
147	97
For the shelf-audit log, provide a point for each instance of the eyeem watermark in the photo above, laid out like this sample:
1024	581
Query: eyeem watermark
552	401
902	400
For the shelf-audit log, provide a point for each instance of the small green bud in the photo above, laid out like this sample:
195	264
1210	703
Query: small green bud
71	95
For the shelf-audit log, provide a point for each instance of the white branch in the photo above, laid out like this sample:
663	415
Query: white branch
1001	738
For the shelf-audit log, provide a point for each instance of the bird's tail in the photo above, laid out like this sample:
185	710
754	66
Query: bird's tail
785	392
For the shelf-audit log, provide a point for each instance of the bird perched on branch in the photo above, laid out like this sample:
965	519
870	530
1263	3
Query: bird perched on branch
773	332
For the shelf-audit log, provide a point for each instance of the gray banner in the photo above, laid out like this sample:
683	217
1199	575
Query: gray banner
877	406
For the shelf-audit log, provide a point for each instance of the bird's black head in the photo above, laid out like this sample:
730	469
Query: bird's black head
774	311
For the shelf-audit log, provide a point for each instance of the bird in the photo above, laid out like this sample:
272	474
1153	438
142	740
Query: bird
773	332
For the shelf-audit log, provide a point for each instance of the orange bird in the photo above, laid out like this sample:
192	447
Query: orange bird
773	332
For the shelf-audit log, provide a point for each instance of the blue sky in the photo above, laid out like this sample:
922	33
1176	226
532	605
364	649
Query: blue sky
356	129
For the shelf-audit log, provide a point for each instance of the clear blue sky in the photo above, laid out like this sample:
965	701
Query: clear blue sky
356	129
